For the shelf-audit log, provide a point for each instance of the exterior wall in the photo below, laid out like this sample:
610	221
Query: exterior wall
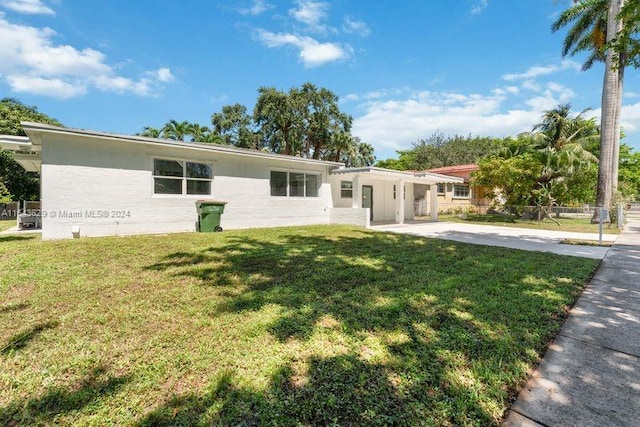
384	205
350	216
447	202
105	187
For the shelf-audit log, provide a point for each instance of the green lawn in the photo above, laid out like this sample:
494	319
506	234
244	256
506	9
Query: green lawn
7	224
580	225
291	326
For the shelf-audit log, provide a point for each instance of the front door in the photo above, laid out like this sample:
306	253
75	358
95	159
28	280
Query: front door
367	199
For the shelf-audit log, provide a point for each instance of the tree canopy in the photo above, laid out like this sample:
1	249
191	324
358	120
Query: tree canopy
547	166
18	183
439	150
305	121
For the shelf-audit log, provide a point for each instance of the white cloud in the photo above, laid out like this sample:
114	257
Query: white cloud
310	12
479	6
257	8
163	75
52	87
32	7
538	71
312	52
399	120
357	27
31	62
630	117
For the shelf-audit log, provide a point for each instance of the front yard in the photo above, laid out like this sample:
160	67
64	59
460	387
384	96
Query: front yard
6	224
313	325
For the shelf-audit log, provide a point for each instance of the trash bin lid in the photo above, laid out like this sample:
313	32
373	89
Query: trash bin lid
209	202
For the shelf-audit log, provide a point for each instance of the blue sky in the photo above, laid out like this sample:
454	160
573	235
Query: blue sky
403	69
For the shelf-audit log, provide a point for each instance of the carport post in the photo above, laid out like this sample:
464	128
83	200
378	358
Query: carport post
400	202
433	196
356	198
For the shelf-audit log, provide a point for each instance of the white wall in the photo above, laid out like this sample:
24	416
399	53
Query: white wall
81	175
350	216
384	205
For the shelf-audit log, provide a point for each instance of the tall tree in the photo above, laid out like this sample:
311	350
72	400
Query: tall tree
597	24
234	125
22	185
305	122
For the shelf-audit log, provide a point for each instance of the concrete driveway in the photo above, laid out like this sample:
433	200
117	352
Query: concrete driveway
508	237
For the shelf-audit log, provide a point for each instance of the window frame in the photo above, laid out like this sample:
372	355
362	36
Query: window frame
184	179
467	190
344	190
304	180
444	188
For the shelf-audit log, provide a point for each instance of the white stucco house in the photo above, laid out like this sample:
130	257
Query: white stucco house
97	184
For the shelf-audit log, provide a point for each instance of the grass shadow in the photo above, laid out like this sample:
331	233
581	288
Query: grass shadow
463	315
13	307
45	408
14	238
21	339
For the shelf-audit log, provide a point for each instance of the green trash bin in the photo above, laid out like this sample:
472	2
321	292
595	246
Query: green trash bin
209	213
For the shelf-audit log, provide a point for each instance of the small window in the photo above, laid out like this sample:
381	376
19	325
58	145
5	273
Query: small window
177	176
278	183
346	189
440	188
461	191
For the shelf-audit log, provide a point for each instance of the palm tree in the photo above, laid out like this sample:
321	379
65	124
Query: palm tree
150	132
198	132
596	24
176	130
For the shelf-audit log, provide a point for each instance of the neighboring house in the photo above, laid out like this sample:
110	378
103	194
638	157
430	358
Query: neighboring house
96	184
453	197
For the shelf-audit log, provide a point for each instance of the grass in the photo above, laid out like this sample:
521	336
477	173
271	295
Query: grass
291	326
580	225
6	224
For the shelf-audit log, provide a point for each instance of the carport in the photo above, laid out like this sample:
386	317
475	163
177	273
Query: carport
388	194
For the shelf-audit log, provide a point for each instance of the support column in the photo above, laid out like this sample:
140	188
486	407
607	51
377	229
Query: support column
400	202
356	199
433	198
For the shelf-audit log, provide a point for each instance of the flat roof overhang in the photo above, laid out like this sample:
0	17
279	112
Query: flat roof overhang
24	152
394	175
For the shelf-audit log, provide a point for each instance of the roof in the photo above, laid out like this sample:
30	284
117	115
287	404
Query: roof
24	152
462	171
456	168
395	175
36	130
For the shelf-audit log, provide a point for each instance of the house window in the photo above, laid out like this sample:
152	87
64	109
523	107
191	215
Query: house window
461	191
294	184
346	189
181	177
440	188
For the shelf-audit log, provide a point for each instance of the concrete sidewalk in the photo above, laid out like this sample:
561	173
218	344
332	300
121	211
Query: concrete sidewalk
590	375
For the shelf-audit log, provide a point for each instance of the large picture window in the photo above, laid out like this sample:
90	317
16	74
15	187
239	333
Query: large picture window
294	184
461	191
181	177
